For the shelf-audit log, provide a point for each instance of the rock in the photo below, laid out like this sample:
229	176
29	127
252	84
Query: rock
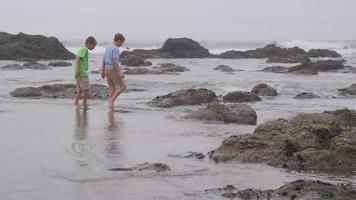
34	65
312	68
28	65
299	189
348	91
158	167
140	71
240	97
169	67
13	67
315	53
23	46
263	89
195	155
185	97
224	68
233	113
315	141
59	64
172	48
276	69
292	59
184	48
272	52
306	95
134	60
309	68
62	91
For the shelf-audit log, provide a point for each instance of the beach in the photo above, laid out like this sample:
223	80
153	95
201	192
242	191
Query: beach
52	149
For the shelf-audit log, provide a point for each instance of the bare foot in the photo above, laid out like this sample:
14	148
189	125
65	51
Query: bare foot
111	104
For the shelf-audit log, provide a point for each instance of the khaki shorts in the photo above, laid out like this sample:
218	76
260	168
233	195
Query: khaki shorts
114	78
83	83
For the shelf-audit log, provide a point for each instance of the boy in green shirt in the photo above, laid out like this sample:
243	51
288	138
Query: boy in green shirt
82	70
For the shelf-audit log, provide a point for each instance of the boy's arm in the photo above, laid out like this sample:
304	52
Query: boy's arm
118	68
77	70
103	66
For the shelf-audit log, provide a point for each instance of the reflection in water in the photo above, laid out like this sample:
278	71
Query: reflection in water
113	129
80	146
81	129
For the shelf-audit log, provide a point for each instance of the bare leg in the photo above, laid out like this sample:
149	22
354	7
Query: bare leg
85	98
77	97
118	92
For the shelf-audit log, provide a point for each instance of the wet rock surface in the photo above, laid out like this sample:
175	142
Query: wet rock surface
134	60
224	68
240	97
306	95
272	52
232	113
59	64
62	91
185	97
275	69
170	67
23	46
263	89
309	68
314	141
351	90
172	48
313	68
158	167
315	53
299	189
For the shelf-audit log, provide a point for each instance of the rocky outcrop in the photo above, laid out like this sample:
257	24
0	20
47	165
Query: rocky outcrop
276	69
184	48
232	113
309	68
313	68
172	48
59	64
240	97
315	141
306	95
28	65
158	167
349	90
263	89
23	47
167	68
140	71
299	189
135	60
170	68
61	91
316	53
185	97
224	68
271	52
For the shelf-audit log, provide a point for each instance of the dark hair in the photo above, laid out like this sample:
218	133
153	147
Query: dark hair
90	40
119	36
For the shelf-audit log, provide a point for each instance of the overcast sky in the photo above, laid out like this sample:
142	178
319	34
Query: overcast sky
198	19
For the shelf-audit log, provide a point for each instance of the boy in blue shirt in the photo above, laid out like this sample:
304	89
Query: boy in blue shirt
112	71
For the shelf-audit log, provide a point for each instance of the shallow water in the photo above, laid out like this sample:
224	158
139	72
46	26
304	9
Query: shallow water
50	148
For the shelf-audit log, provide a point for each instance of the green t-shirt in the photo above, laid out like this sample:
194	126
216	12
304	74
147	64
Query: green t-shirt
83	54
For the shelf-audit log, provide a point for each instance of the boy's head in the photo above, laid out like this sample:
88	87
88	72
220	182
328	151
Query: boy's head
90	43
119	39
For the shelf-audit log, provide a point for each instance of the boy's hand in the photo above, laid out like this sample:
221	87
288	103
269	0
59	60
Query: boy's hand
122	75
103	74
